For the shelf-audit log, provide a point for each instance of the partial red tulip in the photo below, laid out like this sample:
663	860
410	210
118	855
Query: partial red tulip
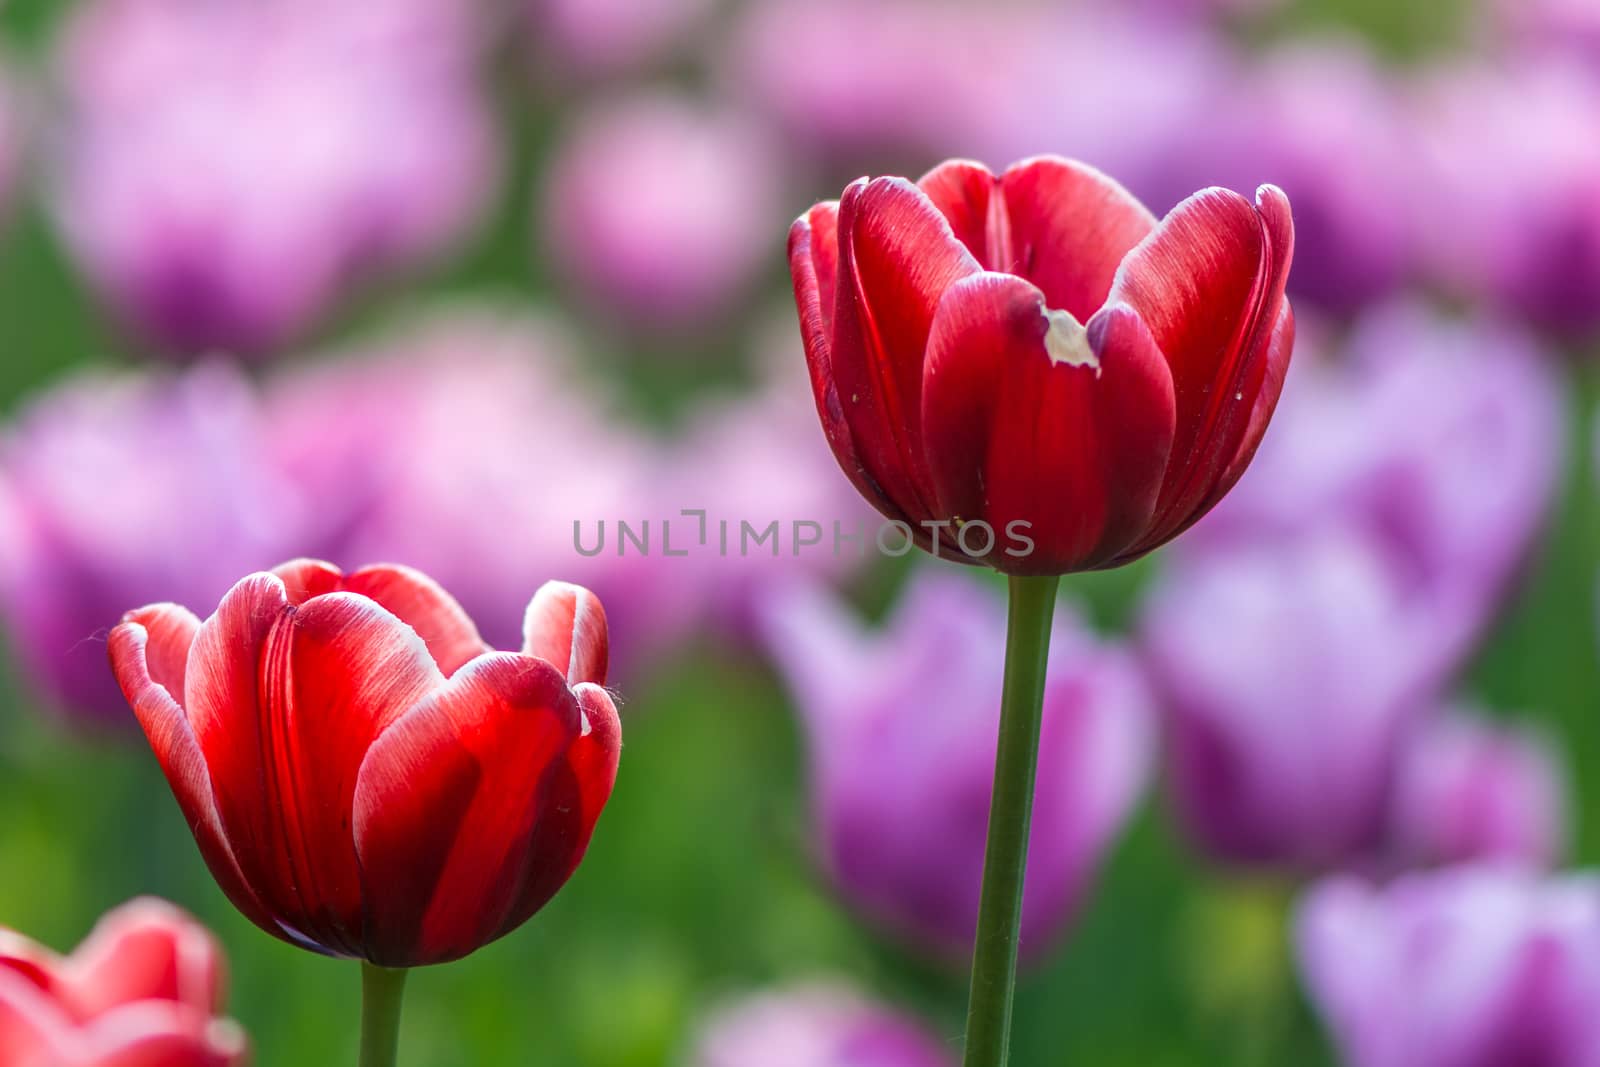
1030	371
143	990
363	775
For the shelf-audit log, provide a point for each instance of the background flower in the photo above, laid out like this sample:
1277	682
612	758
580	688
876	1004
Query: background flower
1470	789
119	490
145	987
901	726
1473	965
369	149
815	1026
682	247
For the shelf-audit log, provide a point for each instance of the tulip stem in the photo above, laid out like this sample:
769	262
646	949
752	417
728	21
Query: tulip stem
381	991
994	951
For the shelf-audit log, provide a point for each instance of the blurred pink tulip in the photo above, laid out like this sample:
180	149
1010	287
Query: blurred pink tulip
1468	967
1561	26
661	209
122	489
1468	789
1321	120
1522	231
466	445
815	1026
145	989
894	85
597	38
228	170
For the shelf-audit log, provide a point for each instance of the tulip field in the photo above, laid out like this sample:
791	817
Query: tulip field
799	533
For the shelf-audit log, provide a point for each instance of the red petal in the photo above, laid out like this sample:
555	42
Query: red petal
1015	435
33	1029
35	1032
1069	229
157	1034
566	627
286	701
23	956
897	256
1280	346
1202	282
146	649
962	190
408	594
421	603
447	802
145	950
578	793
814	269
306	578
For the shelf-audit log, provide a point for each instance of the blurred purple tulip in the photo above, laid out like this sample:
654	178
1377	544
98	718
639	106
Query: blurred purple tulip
1468	967
1319	119
118	490
1547	25
463	444
899	84
815	1026
901	726
1510	204
848	78
228	169
1168	78
1290	673
601	37
1470	790
1440	439
660	209
1309	622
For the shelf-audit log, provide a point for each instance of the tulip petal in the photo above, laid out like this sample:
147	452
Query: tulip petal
814	269
897	256
145	950
1202	282
962	191
146	649
408	594
1280	346
566	627
36	1032
447	801
422	604
1017	432
285	702
1069	227
306	578
157	1034
577	794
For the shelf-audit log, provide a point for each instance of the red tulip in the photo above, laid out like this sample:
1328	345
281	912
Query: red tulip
363	775
142	991
1035	353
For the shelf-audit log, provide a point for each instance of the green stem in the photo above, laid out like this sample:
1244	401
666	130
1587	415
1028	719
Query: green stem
994	952
381	991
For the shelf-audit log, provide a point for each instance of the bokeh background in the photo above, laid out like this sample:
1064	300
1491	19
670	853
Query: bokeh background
429	281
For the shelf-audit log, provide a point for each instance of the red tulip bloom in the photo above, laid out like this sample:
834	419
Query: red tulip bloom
1036	349
144	989
363	775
